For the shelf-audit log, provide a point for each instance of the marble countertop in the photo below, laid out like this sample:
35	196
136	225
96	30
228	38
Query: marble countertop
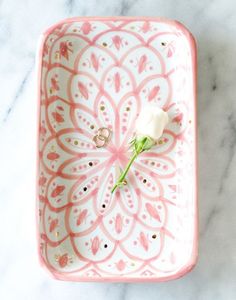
213	23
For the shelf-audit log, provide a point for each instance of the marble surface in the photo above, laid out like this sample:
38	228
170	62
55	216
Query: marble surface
214	25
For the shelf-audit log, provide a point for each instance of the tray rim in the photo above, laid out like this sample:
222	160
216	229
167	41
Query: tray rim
66	276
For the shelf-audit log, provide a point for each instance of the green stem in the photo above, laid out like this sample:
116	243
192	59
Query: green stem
122	176
138	150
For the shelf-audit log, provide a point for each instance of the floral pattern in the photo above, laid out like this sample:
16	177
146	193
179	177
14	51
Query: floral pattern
101	73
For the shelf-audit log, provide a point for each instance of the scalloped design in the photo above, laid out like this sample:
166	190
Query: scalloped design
101	73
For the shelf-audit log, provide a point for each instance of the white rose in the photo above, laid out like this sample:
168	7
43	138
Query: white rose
149	128
151	122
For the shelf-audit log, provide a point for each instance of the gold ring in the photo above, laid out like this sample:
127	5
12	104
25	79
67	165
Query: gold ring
103	137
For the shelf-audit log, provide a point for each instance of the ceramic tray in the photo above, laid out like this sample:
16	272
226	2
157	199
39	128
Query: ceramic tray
99	73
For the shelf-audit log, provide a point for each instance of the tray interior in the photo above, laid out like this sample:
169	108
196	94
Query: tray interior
100	73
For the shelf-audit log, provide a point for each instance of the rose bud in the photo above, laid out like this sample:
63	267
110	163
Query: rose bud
149	127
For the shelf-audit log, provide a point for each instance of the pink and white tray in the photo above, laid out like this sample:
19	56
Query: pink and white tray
100	72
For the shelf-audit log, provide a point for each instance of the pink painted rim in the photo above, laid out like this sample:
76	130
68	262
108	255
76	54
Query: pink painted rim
193	259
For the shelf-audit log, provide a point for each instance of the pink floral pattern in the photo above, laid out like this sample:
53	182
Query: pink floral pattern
101	73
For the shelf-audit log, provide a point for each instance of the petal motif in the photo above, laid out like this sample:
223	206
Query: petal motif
105	201
143	65
142	245
56	82
83	89
76	141
116	44
163	166
179	118
147	183
155	89
95	60
62	50
82	218
54	223
117	224
115	79
58	192
52	155
153	215
129	108
119	264
64	258
94	247
84	188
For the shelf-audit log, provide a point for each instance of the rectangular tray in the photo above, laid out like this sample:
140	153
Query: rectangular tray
99	72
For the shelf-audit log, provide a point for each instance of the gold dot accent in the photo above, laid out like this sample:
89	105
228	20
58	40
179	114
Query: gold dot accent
56	233
163	43
152	163
104	44
92	127
190	121
50	91
154	236
102	107
127	109
160	142
76	143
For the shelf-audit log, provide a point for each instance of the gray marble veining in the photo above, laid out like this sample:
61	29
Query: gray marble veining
213	23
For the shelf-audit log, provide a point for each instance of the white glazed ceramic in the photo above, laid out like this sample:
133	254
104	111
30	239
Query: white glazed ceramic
99	73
